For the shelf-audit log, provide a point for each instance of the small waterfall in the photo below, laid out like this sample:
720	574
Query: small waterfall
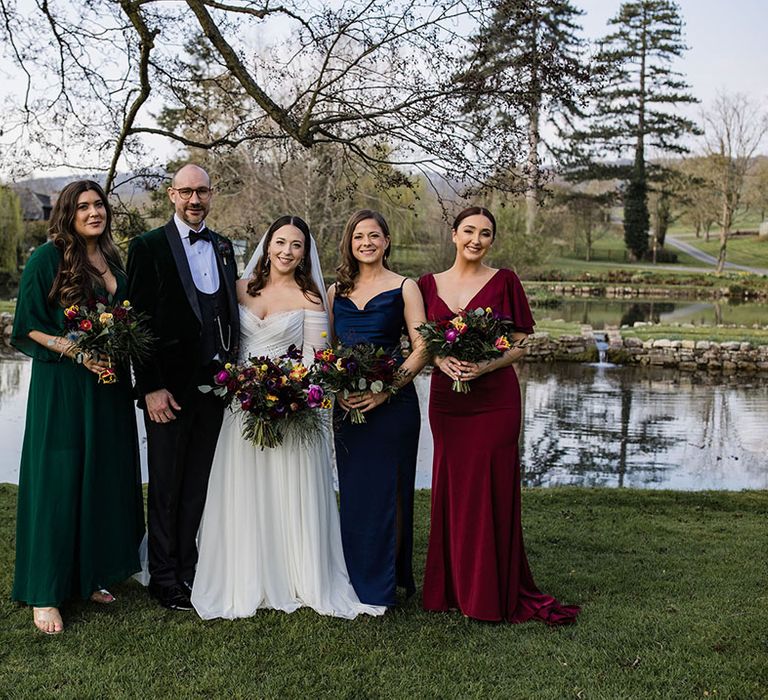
601	342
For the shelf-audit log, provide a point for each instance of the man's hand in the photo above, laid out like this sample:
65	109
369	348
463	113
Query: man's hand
161	406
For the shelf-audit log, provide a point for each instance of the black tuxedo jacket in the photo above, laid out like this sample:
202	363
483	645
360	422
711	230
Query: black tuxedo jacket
160	285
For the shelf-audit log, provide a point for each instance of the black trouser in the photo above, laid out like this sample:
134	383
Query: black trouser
179	454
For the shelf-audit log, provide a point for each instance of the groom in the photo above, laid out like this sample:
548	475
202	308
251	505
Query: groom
182	275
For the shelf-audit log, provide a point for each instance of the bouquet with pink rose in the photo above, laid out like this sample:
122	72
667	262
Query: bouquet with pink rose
349	369
470	336
116	331
275	396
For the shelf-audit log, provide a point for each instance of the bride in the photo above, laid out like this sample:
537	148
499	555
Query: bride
269	536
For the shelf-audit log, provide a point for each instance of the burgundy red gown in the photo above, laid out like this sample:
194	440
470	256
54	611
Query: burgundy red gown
476	558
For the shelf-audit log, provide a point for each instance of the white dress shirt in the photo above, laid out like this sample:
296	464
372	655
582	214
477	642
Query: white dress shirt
201	258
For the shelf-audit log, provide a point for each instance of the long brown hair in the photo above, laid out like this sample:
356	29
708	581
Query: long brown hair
302	273
77	277
349	268
474	211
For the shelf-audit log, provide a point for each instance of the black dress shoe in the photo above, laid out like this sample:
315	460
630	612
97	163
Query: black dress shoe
173	597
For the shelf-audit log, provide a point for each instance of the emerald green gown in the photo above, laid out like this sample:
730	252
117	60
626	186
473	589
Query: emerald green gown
80	511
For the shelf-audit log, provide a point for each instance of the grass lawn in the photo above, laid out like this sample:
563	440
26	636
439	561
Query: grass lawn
758	336
609	252
743	221
674	606
742	250
7	306
556	327
575	266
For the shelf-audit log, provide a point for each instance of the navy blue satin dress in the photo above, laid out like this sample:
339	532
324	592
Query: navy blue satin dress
377	462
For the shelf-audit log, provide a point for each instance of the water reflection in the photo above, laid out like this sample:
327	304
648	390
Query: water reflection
634	427
15	374
14	380
638	427
11	376
583	424
599	312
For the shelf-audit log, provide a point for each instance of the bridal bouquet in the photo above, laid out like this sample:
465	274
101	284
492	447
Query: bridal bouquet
349	369
275	396
100	327
470	336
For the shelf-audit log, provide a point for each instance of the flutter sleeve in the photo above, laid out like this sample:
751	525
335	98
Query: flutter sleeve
426	286
517	304
33	311
316	334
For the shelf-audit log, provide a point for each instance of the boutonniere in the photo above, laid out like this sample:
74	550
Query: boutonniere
225	248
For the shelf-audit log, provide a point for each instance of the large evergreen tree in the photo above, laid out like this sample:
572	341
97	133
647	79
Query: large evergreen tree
637	107
528	67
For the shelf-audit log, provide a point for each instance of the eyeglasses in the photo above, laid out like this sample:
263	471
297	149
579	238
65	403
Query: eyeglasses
203	193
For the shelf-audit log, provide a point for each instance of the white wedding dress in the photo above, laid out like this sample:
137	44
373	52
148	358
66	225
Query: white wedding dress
269	536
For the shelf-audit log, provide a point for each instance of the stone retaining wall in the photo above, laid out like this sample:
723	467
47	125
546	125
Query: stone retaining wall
688	355
618	291
570	348
6	326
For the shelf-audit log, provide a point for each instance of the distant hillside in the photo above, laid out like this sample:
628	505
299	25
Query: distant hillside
129	185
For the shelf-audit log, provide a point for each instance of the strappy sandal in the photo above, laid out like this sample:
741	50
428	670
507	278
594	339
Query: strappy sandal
103	597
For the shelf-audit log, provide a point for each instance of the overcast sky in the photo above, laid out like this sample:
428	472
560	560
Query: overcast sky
728	42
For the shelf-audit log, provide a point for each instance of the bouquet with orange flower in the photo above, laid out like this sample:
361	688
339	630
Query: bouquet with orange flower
275	396
470	336
349	369
100	327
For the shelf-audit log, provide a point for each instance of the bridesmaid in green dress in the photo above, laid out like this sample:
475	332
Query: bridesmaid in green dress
80	514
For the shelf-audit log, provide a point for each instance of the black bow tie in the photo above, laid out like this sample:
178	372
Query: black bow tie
204	235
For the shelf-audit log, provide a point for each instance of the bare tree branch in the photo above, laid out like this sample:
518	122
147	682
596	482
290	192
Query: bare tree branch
235	65
147	37
372	77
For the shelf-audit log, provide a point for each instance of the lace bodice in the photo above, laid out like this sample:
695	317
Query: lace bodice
273	335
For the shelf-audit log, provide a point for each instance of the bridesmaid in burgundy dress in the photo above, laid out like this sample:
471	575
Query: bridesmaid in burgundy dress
476	558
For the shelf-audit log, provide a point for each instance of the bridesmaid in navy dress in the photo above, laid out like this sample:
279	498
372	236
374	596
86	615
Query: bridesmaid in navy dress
377	460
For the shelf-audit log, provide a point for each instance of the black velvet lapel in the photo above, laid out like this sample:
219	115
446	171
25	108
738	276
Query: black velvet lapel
182	265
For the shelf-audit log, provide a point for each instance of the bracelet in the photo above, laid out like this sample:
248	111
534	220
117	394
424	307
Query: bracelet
54	344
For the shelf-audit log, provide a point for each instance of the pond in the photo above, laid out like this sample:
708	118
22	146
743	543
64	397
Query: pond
588	425
599	312
14	382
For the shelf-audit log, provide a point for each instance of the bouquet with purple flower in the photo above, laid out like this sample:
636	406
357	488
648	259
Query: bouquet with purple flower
275	396
470	336
117	331
350	369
